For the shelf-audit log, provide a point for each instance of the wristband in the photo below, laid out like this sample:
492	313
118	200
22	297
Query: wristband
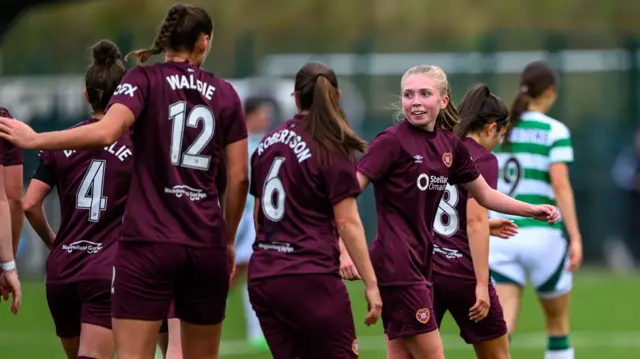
8	266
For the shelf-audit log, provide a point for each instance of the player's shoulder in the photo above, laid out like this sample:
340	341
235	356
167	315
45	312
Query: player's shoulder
553	125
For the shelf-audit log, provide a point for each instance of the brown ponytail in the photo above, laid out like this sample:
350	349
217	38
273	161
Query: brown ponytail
104	74
180	30
317	87
535	79
448	118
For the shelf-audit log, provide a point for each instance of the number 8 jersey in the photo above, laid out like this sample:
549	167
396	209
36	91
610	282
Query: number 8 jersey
452	255
185	117
296	231
92	187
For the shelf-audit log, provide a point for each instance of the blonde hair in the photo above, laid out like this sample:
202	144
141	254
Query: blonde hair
448	118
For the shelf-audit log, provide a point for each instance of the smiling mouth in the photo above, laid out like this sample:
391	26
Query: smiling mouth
418	113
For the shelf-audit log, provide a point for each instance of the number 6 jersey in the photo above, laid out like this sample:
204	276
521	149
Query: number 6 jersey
92	187
185	117
296	228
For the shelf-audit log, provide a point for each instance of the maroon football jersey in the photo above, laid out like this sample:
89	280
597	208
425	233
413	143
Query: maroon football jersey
185	117
92	188
296	232
10	154
452	255
409	169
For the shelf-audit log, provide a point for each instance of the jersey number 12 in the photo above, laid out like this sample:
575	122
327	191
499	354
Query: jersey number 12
192	157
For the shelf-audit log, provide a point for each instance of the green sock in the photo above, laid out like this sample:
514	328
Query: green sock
558	343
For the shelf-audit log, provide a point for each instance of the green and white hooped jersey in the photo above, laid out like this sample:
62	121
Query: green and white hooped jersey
537	141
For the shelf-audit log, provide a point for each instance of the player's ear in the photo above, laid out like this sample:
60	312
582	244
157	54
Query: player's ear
491	129
86	96
445	102
338	94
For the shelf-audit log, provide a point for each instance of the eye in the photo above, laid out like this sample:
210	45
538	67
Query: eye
408	95
425	93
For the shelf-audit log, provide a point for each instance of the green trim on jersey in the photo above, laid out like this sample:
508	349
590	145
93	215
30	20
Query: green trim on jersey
537	141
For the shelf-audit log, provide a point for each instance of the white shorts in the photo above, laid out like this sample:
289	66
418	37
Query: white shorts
245	237
540	255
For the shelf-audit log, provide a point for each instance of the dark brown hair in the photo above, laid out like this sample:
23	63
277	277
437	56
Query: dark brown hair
180	30
104	74
535	79
317	88
480	107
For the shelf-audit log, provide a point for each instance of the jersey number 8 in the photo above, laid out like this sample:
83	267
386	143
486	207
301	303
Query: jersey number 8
447	221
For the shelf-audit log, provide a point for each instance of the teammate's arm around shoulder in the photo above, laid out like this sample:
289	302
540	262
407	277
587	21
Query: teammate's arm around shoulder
352	233
560	155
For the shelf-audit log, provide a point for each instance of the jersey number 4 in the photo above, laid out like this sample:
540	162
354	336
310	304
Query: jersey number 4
192	157
447	221
90	194
273	194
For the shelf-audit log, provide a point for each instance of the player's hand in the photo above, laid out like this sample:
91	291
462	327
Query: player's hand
348	270
375	305
502	227
9	284
231	257
18	132
575	254
545	212
480	309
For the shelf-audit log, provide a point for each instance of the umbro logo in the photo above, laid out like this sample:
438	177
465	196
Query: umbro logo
418	158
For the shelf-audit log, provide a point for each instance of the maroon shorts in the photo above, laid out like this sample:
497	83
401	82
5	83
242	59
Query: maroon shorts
305	316
458	295
407	310
76	303
149	275
164	328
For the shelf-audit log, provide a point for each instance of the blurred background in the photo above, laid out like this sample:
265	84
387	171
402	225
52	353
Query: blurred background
259	46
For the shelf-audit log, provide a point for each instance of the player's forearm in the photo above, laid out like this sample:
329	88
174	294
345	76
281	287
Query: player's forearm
566	204
343	249
353	237
500	202
38	220
6	245
78	138
478	233
234	198
17	221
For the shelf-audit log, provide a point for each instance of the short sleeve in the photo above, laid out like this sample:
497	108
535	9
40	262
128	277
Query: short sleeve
380	155
45	172
234	125
463	170
340	179
10	154
132	91
253	188
488	167
561	149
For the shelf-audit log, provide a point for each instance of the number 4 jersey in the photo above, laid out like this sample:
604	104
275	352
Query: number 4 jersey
185	117
92	187
452	255
296	227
